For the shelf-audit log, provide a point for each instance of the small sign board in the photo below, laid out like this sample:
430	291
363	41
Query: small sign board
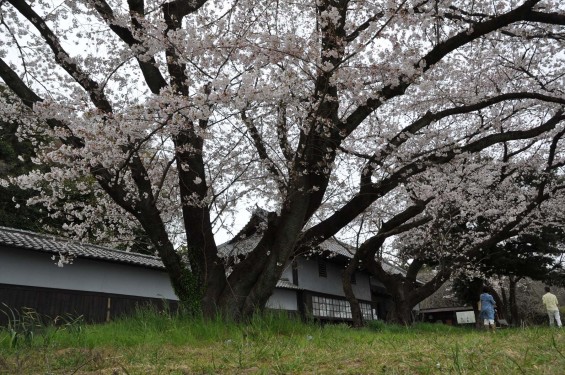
465	317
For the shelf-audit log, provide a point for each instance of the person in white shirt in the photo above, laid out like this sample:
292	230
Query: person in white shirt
551	305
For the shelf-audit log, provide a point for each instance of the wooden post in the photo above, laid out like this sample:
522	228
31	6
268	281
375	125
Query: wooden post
108	309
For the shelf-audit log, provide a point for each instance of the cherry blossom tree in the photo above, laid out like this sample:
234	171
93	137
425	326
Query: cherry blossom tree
177	114
450	227
536	256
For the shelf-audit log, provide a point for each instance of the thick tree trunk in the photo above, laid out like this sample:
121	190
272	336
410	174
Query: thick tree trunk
402	309
514	312
253	280
476	296
505	303
406	291
401	313
356	314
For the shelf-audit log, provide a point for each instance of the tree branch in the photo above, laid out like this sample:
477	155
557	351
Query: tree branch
147	64
62	57
370	193
437	53
262	151
430	117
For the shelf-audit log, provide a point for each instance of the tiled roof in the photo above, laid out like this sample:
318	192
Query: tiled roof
340	248
241	247
51	244
285	284
246	245
337	247
332	246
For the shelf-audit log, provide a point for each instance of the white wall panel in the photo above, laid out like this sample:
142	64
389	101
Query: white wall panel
35	268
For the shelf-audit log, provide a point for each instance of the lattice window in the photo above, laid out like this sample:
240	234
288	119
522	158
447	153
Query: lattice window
325	307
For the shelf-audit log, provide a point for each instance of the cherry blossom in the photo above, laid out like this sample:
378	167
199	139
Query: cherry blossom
178	115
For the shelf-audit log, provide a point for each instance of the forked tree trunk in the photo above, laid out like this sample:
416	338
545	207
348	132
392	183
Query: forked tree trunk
406	291
252	281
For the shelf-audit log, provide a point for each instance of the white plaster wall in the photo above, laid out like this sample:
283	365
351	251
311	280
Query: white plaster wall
283	299
35	268
309	279
287	272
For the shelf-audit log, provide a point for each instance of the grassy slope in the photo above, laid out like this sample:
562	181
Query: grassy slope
152	344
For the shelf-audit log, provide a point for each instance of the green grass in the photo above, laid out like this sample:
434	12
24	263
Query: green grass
152	343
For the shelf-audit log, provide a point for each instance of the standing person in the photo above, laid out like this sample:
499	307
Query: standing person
487	309
551	305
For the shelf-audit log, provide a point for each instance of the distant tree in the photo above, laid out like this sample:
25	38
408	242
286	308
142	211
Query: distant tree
536	253
538	256
453	220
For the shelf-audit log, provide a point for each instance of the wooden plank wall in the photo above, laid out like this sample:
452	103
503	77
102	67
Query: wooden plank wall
69	304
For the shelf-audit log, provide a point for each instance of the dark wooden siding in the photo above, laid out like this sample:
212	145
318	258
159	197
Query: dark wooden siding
52	303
